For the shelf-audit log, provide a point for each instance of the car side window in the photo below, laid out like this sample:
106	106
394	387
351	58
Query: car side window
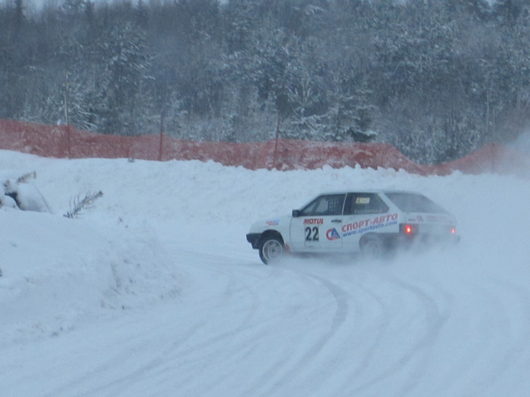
365	203
325	205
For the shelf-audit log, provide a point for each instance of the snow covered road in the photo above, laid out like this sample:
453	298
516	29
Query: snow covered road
177	304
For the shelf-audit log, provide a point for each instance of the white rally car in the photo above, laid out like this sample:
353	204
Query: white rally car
372	222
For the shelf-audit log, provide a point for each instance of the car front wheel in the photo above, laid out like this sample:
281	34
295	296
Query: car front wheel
271	248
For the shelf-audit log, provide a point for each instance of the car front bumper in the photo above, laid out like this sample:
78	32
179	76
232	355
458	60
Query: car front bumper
253	239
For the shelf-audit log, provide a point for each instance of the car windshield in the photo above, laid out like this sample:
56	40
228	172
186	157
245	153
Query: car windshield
412	202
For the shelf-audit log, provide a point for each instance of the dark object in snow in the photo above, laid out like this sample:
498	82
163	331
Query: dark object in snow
20	193
26	177
79	205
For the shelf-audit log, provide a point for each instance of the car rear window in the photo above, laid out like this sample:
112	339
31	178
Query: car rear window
413	202
364	203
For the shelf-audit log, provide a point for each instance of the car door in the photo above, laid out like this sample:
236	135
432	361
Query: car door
364	213
317	228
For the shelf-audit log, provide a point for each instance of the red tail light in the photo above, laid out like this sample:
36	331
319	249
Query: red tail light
453	230
408	229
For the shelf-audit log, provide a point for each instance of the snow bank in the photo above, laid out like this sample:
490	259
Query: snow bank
57	272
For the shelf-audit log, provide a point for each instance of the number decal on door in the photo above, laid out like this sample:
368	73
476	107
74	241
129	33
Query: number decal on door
311	234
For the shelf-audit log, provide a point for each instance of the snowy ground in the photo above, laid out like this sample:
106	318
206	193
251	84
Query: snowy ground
155	292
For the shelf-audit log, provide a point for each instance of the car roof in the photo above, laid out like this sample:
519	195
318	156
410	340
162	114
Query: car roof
353	191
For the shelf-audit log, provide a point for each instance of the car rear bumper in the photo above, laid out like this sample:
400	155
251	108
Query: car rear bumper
400	240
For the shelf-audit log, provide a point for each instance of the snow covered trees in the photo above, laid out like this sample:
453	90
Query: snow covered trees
436	78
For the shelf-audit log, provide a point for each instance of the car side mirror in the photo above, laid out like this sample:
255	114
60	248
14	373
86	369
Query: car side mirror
296	213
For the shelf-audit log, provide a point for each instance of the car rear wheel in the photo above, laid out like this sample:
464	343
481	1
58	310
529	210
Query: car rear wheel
271	249
373	247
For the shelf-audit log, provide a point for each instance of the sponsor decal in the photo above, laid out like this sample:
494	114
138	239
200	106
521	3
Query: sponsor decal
369	224
332	234
362	200
314	221
384	219
274	222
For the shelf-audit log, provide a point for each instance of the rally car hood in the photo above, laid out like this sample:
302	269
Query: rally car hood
270	223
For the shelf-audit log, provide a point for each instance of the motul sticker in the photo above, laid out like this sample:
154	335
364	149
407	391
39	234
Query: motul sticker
314	221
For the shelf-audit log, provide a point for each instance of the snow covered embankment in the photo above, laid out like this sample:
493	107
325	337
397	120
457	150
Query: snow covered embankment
57	272
451	323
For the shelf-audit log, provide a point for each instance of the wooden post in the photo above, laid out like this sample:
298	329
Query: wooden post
276	142
67	116
161	147
69	140
161	139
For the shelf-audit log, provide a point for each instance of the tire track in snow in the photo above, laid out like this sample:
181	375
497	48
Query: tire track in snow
514	357
490	346
373	364
173	350
430	328
359	346
447	318
269	383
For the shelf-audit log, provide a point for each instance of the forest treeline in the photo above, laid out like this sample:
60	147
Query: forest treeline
436	78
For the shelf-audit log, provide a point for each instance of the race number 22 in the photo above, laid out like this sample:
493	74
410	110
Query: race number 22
311	234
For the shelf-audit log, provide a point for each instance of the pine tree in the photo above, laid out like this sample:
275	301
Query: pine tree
120	86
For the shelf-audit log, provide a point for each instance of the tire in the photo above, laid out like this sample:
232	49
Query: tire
271	249
373	247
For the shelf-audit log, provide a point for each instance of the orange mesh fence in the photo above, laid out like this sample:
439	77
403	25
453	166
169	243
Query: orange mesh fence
69	142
